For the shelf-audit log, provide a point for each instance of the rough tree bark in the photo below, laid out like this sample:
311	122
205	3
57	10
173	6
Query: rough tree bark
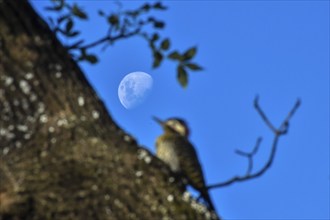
62	155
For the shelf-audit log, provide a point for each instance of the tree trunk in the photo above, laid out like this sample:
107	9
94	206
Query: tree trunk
62	155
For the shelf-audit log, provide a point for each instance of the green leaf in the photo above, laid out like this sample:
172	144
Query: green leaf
165	45
113	20
159	24
145	7
69	26
91	58
78	12
190	53
174	56
194	66
182	76
158	57
159	6
154	37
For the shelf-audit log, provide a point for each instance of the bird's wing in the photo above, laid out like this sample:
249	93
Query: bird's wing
181	156
192	169
189	163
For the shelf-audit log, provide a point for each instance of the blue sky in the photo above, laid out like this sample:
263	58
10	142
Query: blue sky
277	49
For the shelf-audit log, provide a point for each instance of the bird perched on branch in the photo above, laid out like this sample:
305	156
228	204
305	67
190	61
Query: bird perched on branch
174	148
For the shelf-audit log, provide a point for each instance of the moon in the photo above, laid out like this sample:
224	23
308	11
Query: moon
134	88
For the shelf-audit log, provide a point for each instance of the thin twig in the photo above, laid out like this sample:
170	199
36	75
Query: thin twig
282	130
110	39
249	155
284	126
263	115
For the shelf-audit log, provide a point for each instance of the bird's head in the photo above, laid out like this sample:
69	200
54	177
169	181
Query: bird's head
174	125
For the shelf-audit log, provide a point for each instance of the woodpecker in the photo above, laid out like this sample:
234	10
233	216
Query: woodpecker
175	149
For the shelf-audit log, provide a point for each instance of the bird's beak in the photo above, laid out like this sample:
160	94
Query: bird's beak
158	120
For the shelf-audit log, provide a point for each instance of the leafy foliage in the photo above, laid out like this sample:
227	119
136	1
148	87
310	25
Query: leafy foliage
182	76
122	24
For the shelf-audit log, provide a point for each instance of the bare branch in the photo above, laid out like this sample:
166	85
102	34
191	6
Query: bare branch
263	115
110	39
249	155
285	125
282	130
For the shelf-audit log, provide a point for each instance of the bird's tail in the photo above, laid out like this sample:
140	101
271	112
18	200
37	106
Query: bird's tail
207	199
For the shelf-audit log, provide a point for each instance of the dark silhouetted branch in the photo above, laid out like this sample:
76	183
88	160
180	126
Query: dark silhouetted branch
282	130
105	39
249	155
